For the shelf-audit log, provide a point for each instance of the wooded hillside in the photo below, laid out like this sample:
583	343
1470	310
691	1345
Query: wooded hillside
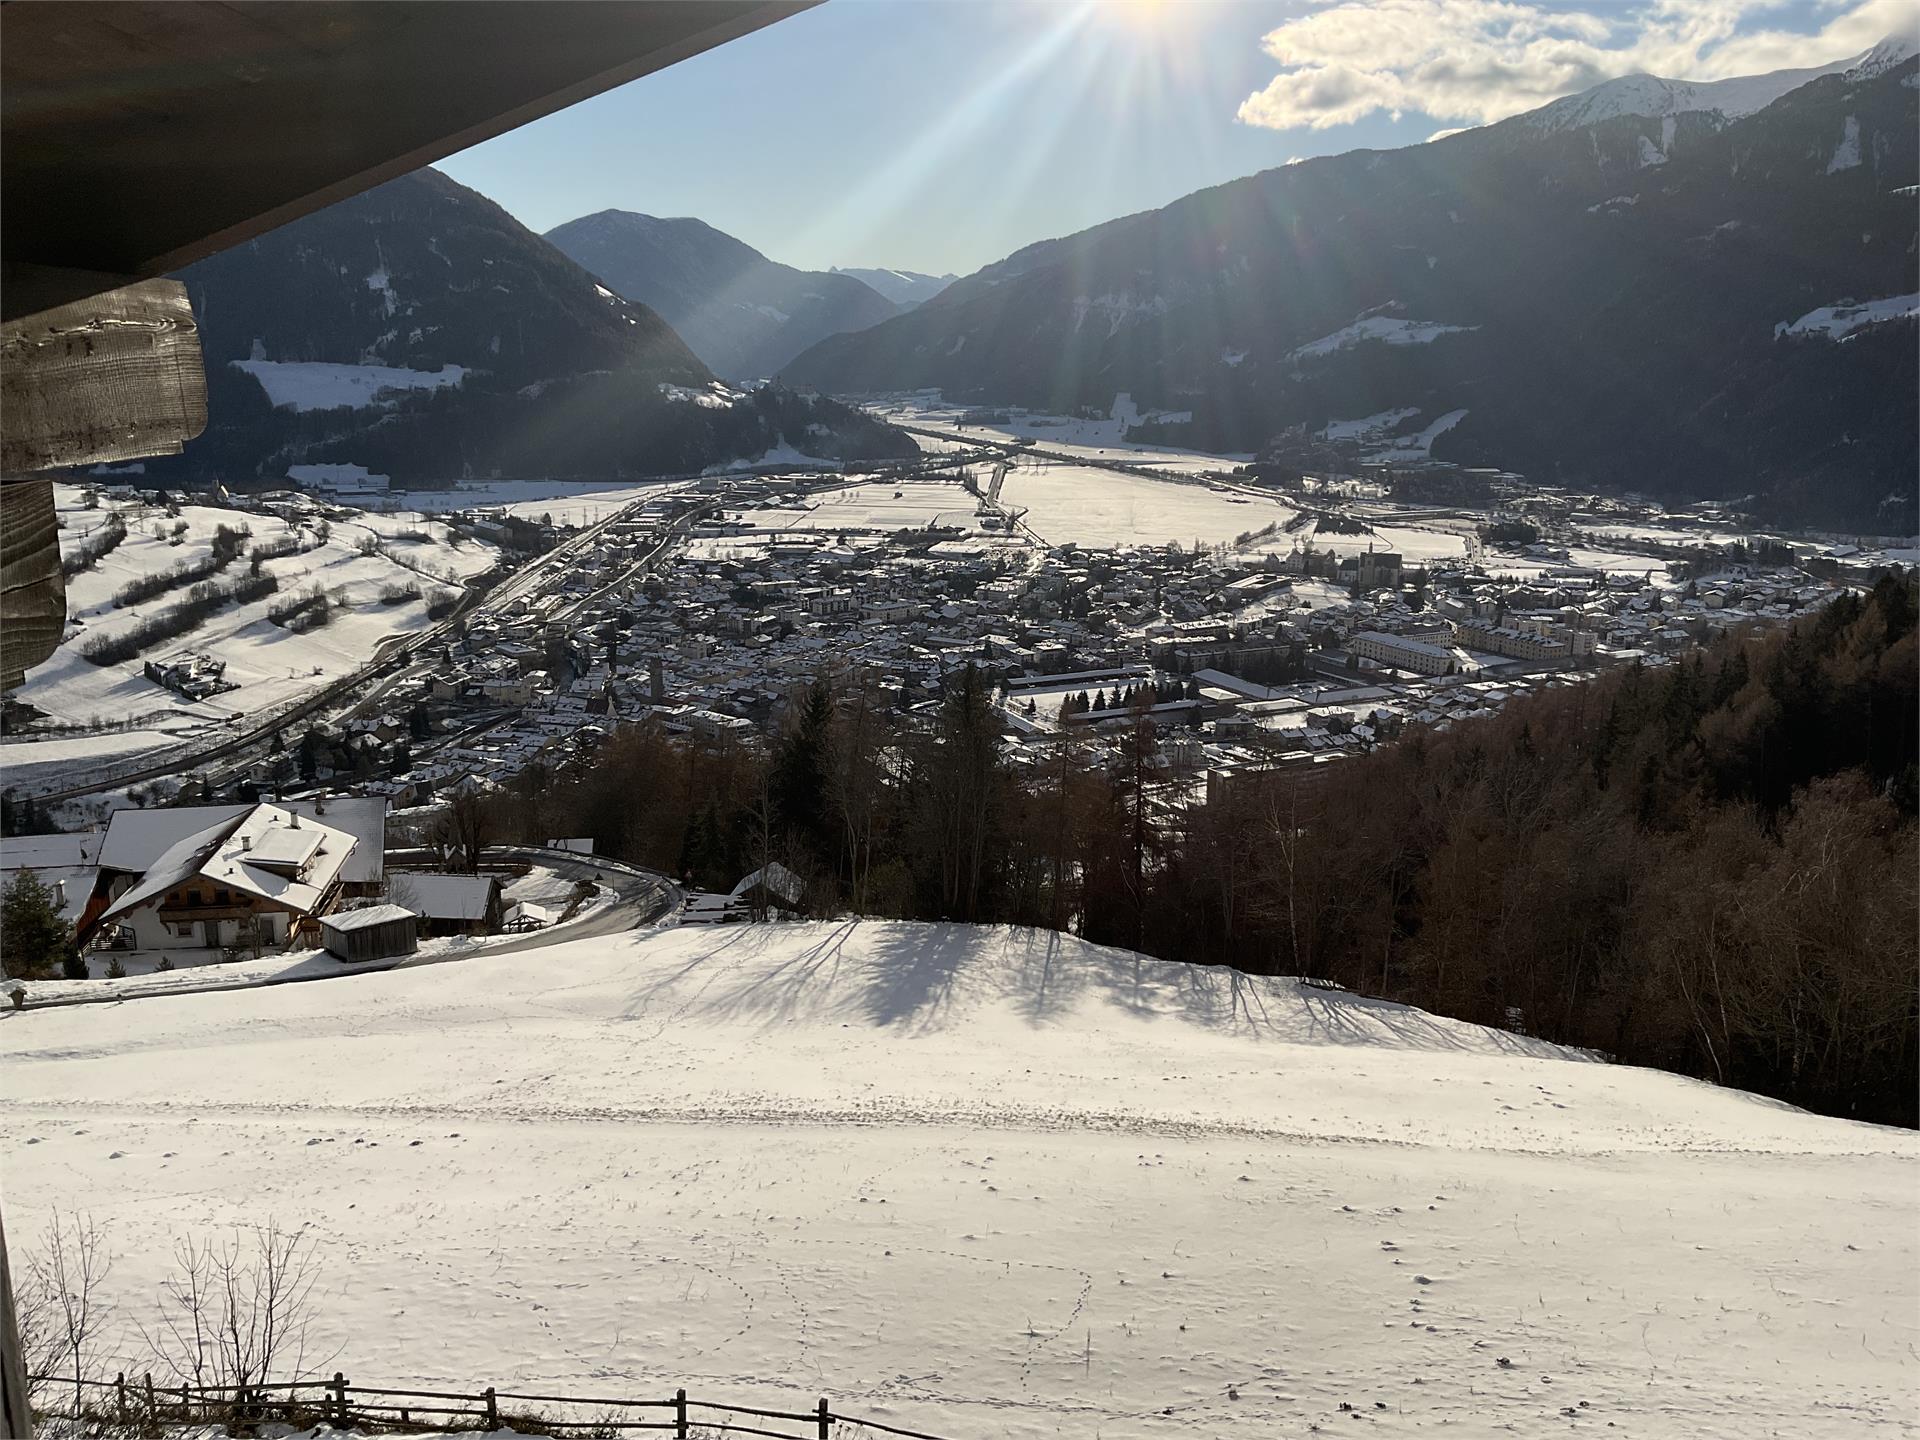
1708	867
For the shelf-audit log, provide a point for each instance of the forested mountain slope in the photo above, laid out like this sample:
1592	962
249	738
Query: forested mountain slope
1629	303
420	331
743	314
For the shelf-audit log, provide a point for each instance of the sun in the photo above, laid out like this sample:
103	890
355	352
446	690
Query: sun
1142	16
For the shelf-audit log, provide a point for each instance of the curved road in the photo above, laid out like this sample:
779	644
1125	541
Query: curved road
642	898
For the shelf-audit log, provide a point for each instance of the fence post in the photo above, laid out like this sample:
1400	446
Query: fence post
826	1419
340	1399
186	1407
120	1396
493	1411
680	1415
153	1409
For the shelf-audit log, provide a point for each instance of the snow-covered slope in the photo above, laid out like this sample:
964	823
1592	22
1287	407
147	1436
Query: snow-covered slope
1652	96
990	1183
1889	54
903	287
1656	98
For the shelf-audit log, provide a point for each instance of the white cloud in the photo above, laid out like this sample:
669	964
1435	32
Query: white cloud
1476	61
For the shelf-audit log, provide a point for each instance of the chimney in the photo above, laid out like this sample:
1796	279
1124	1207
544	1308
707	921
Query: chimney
60	893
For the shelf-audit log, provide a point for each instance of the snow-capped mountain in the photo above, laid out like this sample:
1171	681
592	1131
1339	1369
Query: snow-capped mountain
741	313
1890	54
1652	96
1607	302
906	288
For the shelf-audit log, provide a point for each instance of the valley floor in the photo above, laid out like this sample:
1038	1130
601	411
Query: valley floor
989	1183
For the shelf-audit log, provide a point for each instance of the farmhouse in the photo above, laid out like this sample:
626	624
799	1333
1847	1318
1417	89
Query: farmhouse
135	839
265	875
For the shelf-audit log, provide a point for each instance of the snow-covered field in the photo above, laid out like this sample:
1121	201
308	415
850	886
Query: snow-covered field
1091	506
1415	545
894	505
989	1183
320	385
1103	439
1378	330
566	502
272	666
1837	322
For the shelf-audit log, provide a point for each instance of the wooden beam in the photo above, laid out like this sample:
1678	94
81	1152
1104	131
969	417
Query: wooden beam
114	377
142	135
33	593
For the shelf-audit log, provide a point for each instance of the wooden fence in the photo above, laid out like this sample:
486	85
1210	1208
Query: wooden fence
141	1403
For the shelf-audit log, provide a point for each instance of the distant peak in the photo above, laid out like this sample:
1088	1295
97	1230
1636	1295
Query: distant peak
1656	97
1891	53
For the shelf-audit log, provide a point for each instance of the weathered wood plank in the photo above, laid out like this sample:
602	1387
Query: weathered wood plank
33	593
113	377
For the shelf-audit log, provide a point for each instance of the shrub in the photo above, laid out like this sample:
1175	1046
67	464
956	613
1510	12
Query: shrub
302	613
202	600
273	550
227	541
103	541
187	572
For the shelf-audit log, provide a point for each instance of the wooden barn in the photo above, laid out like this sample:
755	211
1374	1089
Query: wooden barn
379	932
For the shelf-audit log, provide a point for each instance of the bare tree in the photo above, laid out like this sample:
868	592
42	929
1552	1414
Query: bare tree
234	1314
464	829
61	1312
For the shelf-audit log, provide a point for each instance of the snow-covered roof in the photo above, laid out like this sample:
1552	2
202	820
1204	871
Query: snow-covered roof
447	897
136	839
49	852
364	919
223	854
777	879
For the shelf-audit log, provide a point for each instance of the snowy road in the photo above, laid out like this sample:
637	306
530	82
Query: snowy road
992	1183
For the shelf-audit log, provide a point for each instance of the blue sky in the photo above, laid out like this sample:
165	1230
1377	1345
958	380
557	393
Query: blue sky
940	135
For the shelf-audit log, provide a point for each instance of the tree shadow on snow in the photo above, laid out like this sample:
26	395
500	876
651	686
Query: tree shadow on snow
922	978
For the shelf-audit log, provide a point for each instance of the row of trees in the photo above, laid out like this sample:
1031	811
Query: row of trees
1708	867
1129	697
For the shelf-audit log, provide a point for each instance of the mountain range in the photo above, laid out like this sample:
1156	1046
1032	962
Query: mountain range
1651	287
745	315
421	331
906	288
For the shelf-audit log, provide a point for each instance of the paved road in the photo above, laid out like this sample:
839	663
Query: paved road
643	899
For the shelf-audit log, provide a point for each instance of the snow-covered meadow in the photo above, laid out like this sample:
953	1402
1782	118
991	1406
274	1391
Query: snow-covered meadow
563	502
272	665
1091	506
989	1183
1102	439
